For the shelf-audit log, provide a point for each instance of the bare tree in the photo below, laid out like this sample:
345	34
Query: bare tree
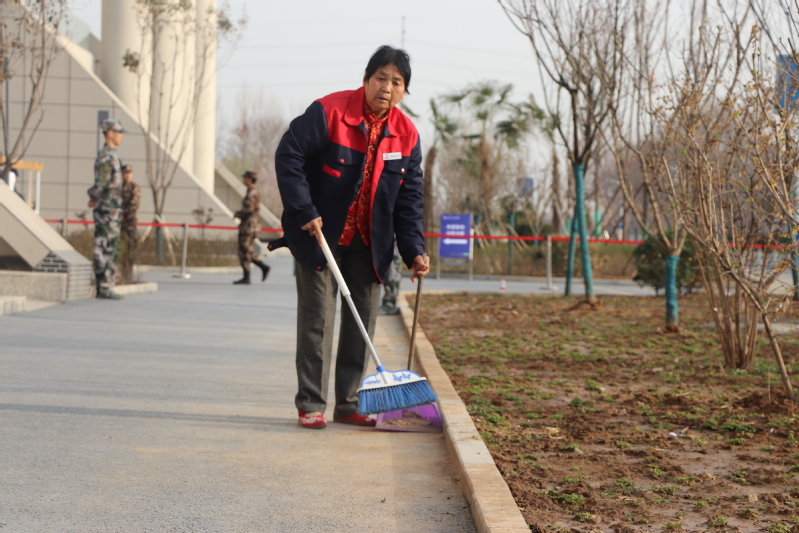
251	143
729	175
178	48
571	40
28	46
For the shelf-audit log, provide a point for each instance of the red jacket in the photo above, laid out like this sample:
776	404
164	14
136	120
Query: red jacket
319	164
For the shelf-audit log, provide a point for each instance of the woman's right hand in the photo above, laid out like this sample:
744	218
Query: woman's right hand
314	227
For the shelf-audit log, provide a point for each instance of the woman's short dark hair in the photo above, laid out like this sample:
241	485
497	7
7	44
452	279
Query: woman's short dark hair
388	55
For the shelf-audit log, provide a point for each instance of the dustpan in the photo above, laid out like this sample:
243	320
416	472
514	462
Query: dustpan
420	419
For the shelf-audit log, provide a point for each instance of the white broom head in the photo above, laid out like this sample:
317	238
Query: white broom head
397	377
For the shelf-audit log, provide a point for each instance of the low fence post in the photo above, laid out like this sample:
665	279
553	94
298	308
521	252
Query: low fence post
63	227
184	253
549	264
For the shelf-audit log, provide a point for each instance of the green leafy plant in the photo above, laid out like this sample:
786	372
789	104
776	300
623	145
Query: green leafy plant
651	265
666	490
778	528
717	521
672	526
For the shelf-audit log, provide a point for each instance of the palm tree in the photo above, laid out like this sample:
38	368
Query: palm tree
444	128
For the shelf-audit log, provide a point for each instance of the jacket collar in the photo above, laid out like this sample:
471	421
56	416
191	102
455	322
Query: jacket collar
354	115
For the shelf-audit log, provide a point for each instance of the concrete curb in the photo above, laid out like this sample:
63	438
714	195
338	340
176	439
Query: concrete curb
10	305
136	288
493	507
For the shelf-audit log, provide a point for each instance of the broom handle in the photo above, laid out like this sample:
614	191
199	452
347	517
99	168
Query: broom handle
345	292
415	318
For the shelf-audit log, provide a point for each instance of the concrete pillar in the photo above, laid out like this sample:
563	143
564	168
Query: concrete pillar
172	85
122	32
205	127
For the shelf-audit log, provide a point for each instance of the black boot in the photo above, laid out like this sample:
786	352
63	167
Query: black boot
264	269
245	280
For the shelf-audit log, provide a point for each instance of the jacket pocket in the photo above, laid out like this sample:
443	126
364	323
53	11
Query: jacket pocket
333	172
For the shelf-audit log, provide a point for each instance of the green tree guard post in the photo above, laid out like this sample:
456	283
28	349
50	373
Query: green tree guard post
672	311
570	260
585	255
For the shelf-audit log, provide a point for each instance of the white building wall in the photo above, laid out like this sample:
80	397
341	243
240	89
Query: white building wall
68	139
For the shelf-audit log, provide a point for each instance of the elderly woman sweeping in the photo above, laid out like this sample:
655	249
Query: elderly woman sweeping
349	170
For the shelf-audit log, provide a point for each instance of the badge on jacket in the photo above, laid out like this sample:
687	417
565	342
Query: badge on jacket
390	156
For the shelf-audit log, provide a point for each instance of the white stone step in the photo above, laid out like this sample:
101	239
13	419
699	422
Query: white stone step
12	304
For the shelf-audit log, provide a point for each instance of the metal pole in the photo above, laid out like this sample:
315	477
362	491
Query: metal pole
36	207
184	253
438	259
549	263
471	255
63	227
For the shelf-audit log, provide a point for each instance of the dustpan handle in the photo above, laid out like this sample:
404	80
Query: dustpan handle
345	292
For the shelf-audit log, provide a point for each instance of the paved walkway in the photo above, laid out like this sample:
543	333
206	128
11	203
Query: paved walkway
174	412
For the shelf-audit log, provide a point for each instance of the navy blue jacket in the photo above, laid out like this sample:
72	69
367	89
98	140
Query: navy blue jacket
319	164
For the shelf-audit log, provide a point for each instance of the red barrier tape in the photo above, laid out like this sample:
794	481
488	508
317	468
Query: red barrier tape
428	235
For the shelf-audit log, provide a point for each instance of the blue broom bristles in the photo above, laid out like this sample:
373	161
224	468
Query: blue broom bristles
395	397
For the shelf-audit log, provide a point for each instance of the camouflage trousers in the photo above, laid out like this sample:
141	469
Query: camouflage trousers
391	285
246	251
128	245
106	247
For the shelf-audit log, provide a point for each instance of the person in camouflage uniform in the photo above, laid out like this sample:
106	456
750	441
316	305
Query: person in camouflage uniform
131	198
391	285
249	227
105	197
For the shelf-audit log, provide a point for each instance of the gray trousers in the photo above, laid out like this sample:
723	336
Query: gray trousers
316	313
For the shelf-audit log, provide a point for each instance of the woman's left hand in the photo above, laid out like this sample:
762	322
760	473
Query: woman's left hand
421	267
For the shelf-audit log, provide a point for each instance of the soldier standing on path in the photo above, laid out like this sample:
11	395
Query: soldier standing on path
105	197
249	228
391	285
131	198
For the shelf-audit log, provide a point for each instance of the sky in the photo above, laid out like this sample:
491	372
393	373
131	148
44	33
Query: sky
294	52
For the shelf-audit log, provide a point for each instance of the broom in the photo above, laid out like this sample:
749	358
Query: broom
385	391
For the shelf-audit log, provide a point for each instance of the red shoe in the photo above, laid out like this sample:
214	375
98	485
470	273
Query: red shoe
356	419
313	422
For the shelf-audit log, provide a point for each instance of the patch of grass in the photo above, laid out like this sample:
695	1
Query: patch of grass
766	448
717	521
496	419
592	385
569	480
575	500
736	442
530	456
571	448
556	416
701	506
748	514
621	444
731	425
584	517
778	528
577	402
686	481
486	436
671	491
740	477
672	526
622	485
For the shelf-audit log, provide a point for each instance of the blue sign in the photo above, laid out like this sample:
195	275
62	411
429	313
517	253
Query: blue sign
787	82
454	247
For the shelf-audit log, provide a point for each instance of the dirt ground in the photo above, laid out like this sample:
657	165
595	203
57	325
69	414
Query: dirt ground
601	421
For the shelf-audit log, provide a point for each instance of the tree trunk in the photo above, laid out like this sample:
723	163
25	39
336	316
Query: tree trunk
572	250
429	198
672	310
556	222
579	211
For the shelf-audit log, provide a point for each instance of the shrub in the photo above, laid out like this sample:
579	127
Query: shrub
650	262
